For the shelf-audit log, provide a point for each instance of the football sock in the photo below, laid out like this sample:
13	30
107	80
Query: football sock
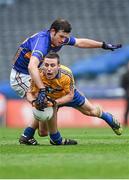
56	138
108	118
29	132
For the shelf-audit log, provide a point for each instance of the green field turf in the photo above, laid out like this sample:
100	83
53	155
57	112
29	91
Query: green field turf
99	154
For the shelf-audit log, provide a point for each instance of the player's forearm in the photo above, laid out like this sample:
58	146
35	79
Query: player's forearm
65	99
88	43
30	97
36	78
34	72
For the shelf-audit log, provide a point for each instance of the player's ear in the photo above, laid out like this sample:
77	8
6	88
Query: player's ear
53	31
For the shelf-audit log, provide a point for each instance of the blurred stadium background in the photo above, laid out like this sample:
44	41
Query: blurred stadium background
97	72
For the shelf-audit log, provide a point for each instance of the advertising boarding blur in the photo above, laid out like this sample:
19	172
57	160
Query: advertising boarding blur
19	114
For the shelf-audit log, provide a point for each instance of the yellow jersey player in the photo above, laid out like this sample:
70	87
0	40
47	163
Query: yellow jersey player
59	86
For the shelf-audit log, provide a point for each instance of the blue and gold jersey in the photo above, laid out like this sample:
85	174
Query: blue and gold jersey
38	45
58	87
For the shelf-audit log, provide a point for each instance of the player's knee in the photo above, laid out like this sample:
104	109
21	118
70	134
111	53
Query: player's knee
95	111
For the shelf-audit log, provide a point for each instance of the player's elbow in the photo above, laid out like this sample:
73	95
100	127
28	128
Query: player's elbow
71	95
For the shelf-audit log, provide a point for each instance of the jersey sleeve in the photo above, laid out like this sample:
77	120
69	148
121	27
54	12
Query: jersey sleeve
40	47
68	84
70	41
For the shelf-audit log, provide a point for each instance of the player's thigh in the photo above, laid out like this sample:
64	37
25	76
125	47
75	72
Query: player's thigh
86	107
19	82
42	129
52	123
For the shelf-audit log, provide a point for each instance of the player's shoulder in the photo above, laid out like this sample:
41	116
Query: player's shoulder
66	72
41	34
65	68
44	33
70	41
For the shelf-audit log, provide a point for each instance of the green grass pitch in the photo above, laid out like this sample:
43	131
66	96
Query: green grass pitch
99	154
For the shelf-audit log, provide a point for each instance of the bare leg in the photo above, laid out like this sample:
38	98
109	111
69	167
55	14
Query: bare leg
42	129
90	110
52	123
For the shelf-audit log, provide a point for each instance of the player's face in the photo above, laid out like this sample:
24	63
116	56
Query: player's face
50	68
58	38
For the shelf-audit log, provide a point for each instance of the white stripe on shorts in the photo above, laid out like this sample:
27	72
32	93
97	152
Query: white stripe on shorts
19	82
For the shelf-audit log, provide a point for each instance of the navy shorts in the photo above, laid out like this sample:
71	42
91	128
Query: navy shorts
77	101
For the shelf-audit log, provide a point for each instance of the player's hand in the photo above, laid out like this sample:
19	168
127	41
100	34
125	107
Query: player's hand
51	102
41	102
111	46
40	107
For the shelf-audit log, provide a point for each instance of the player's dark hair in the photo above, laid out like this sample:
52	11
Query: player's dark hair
61	24
53	55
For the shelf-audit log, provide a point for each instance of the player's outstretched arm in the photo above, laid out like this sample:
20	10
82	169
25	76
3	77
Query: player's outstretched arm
65	99
89	43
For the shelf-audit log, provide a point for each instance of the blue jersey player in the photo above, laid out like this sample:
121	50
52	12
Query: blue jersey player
32	51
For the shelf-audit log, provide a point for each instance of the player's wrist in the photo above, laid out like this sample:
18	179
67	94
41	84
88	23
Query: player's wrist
57	103
33	103
42	90
104	45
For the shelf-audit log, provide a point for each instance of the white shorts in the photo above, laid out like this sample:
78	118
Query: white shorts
19	82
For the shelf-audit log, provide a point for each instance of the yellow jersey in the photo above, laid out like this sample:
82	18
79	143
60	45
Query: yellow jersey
58	87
